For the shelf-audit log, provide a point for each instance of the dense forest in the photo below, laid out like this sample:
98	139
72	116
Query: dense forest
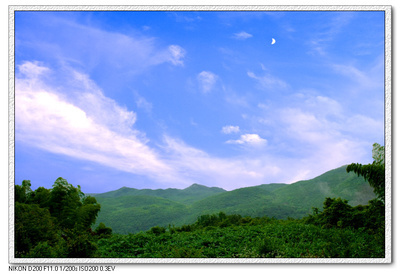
61	223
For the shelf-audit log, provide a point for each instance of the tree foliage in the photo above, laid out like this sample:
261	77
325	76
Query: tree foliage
23	191
373	173
32	226
55	222
337	213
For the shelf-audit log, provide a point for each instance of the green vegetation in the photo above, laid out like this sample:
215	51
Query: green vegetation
233	236
335	215
374	173
56	222
131	210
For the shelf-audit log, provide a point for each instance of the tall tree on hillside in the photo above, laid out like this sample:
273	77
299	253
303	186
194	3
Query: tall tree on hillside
55	222
71	207
373	173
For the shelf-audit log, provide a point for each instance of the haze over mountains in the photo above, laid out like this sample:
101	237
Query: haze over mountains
130	210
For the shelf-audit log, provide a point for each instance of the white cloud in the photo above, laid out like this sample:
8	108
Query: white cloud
242	35
314	133
56	123
177	54
198	166
102	110
207	81
268	81
116	52
230	129
324	106
32	70
47	120
363	125
319	141
53	122
85	124
249	139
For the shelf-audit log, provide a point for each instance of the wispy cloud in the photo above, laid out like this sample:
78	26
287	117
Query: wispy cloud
91	47
268	81
326	33
142	103
206	80
177	54
186	17
230	129
242	35
363	78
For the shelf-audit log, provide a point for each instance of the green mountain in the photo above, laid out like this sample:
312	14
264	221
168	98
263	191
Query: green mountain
130	214
289	200
129	210
186	196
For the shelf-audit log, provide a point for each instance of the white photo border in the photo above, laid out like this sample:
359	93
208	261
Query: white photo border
388	134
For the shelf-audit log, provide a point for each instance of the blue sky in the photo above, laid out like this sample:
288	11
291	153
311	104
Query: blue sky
168	99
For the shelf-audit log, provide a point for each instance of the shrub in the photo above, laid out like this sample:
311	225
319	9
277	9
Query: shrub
102	231
80	246
157	230
338	213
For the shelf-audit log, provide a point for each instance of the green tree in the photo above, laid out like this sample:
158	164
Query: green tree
80	245
87	213
103	231
70	206
32	226
337	212
373	173
40	196
22	192
65	200
55	222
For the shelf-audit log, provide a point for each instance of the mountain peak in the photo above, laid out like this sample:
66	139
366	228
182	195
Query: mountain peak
196	186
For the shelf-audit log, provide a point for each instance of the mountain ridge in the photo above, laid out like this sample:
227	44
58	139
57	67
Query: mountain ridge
187	195
129	210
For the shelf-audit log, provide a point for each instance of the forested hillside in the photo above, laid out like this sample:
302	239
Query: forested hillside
130	210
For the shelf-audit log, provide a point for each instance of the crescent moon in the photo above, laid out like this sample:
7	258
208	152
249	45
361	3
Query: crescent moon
273	41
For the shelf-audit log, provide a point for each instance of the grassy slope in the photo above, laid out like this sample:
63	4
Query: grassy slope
336	183
129	214
249	201
131	210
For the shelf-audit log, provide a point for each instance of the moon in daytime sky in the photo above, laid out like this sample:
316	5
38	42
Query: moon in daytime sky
273	41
